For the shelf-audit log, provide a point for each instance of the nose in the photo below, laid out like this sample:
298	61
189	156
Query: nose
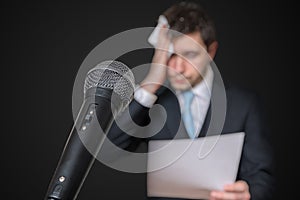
176	63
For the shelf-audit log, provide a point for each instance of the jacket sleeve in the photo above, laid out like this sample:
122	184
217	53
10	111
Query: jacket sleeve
134	115
257	162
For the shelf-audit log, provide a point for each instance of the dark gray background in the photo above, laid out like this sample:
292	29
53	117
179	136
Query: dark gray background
44	43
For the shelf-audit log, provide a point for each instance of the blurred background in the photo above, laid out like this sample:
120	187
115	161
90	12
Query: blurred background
45	42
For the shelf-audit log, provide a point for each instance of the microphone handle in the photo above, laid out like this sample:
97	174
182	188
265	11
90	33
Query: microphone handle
76	161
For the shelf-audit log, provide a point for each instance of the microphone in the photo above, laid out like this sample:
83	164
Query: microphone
108	89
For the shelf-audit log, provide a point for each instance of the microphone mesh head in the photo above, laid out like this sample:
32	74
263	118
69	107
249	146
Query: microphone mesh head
112	75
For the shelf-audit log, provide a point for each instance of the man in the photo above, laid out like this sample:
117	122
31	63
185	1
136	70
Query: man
187	69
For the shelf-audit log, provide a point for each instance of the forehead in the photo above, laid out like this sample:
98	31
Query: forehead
188	42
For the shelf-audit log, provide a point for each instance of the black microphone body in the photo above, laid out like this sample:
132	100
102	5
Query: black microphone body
93	122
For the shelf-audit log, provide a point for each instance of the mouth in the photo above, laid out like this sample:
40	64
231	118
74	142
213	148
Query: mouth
180	80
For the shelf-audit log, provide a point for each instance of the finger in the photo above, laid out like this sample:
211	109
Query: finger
212	198
212	195
239	186
163	31
163	41
231	195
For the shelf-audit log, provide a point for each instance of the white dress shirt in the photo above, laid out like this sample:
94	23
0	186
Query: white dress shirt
200	102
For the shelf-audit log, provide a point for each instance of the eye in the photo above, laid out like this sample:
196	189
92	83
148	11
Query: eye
191	54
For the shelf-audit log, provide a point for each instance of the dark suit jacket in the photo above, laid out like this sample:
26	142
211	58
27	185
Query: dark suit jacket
244	113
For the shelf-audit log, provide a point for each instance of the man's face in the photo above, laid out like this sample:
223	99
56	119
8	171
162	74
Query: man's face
189	61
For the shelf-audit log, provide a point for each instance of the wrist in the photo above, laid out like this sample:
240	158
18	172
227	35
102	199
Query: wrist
150	87
160	56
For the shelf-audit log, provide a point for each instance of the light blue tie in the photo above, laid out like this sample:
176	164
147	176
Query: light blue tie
187	113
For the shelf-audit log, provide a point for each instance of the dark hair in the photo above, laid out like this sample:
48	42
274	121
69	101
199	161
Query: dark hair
189	17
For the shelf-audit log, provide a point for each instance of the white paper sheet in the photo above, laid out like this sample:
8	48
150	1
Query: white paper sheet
192	168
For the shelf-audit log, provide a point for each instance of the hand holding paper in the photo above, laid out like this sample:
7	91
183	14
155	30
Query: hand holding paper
236	191
176	170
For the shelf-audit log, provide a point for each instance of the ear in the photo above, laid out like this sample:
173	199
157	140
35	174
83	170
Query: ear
212	49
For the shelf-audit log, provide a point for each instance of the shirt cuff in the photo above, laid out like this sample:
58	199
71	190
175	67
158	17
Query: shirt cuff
144	97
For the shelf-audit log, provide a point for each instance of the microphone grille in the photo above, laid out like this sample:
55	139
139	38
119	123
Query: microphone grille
112	75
